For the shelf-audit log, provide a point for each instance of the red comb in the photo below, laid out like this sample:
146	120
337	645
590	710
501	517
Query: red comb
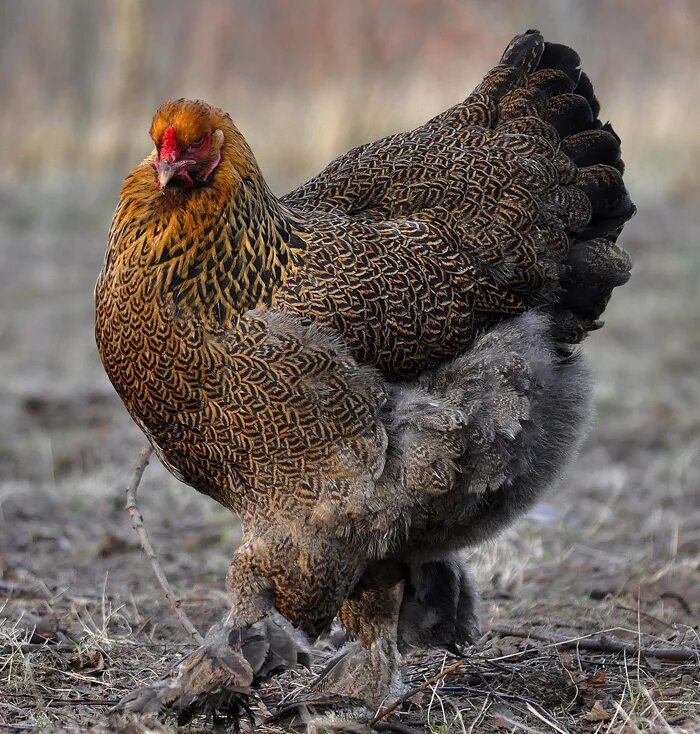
168	147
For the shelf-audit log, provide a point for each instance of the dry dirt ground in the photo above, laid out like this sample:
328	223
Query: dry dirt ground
614	551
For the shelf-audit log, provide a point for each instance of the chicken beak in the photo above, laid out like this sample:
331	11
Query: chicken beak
165	172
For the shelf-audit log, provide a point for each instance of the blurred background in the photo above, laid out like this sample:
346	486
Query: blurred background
304	80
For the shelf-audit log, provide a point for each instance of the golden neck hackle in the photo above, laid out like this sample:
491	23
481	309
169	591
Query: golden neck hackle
213	252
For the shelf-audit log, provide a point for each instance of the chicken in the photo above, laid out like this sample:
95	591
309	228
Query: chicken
374	371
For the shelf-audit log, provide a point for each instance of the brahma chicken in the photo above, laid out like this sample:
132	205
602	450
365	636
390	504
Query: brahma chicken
372	372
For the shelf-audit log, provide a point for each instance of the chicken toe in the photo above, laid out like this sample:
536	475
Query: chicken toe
217	677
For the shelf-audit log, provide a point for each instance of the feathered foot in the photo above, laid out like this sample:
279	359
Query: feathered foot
368	669
347	694
440	607
217	677
370	674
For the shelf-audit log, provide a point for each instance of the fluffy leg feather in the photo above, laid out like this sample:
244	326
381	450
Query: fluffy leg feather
217	677
277	578
368	667
440	607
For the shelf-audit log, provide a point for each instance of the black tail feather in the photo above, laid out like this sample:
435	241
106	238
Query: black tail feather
595	268
570	113
524	51
595	264
558	56
584	88
589	147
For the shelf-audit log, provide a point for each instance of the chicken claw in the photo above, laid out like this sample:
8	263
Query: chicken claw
218	676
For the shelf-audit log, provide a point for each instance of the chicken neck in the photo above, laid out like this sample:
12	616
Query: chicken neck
232	255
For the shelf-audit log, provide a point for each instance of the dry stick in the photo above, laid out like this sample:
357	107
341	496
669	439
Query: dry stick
69	701
383	713
602	644
28	647
137	523
395	727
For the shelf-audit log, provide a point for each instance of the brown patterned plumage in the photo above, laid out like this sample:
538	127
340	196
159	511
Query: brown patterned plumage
374	370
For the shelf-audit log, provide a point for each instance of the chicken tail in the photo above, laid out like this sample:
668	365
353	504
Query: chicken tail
542	90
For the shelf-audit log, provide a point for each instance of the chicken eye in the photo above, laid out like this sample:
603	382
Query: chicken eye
198	142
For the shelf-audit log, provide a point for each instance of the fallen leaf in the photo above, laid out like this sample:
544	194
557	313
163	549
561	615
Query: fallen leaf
598	713
90	661
594	682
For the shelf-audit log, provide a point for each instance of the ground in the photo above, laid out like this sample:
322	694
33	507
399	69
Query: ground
614	550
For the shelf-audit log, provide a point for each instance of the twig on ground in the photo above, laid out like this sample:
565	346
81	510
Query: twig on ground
27	647
51	701
545	719
395	726
137	523
646	615
601	644
383	713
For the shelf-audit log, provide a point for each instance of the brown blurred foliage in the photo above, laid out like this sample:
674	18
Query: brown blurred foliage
305	79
